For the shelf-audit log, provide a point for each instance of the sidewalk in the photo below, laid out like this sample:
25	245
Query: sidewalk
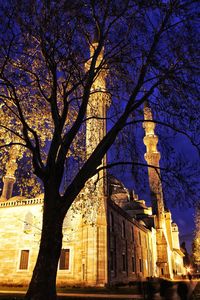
102	296
72	295
126	294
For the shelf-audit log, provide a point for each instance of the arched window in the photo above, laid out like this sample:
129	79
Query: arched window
141	265
124	262
111	222
133	264
123	229
132	233
140	238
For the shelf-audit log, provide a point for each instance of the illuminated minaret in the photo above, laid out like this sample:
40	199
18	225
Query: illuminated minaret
9	179
96	110
152	157
94	232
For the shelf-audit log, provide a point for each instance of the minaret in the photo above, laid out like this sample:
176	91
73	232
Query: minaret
94	232
96	111
152	157
9	179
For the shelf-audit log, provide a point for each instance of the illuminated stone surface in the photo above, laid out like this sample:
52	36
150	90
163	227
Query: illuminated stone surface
108	237
169	257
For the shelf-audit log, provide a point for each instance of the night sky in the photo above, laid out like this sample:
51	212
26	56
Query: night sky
182	208
184	216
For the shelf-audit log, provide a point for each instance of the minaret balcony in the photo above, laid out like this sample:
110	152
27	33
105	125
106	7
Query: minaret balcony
151	142
152	157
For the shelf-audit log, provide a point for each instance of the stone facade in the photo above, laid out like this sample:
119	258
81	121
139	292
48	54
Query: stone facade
109	236
129	247
20	230
118	249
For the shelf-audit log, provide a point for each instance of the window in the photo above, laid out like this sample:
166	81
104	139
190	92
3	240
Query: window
64	259
123	262
140	263
112	261
123	229
140	240
132	233
24	260
83	271
111	222
133	264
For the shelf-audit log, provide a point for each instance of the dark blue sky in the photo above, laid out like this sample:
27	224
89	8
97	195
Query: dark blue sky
180	202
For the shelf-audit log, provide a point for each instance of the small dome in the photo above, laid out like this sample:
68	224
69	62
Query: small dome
135	205
174	224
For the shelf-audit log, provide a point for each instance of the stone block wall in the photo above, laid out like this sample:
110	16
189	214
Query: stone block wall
128	248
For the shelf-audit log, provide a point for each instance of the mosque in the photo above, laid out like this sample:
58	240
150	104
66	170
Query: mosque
109	236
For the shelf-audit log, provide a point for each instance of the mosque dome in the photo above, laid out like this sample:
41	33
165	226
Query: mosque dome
116	186
117	191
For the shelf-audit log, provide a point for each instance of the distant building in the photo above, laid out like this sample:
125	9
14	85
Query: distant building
109	236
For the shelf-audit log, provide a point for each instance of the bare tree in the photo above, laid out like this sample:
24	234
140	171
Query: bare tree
150	49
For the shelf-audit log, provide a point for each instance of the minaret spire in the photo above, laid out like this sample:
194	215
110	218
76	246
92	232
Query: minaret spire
152	157
9	179
98	102
94	229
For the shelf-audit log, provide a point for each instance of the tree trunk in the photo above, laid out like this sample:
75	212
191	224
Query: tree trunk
43	282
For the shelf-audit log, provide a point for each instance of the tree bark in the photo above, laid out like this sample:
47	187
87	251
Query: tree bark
43	282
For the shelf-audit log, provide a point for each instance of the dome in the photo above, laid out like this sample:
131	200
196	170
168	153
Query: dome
135	205
174	224
115	186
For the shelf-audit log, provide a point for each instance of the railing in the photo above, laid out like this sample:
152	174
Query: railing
21	202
